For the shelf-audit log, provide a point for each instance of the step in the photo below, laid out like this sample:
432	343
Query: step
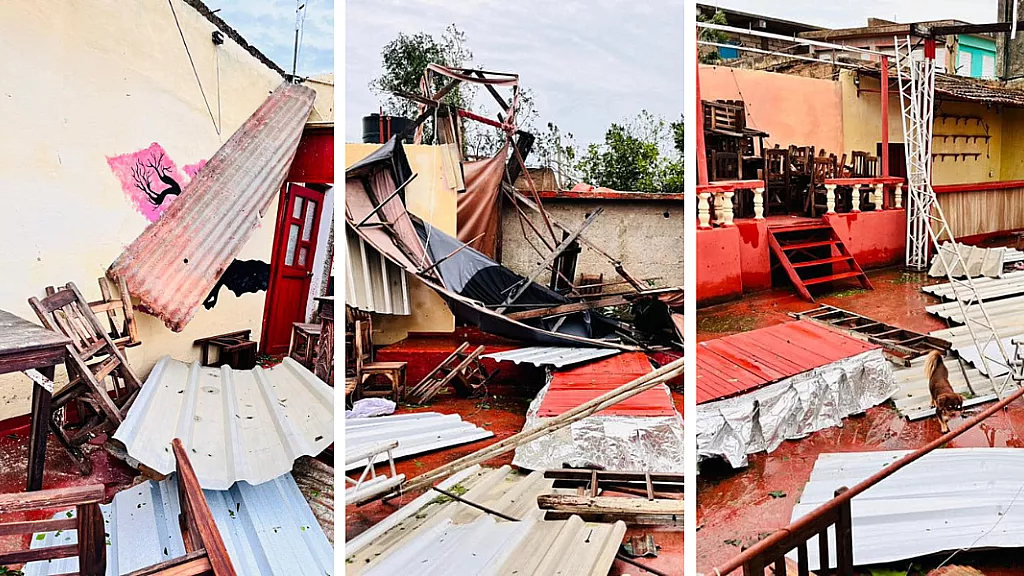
833	277
798	228
833	260
803	245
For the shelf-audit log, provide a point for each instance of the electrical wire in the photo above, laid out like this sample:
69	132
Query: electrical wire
987	532
194	70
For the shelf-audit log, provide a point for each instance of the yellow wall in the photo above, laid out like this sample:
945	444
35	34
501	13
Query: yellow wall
432	197
862	127
88	80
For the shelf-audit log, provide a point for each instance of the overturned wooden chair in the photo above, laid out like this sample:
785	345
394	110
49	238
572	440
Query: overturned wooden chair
118	311
462	370
92	359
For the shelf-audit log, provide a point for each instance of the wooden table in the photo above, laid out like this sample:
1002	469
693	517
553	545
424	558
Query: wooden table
26	346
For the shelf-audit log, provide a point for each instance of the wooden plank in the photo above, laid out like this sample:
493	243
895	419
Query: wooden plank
18	335
50	553
92	541
616	300
798	283
34	526
200	513
614	475
572	504
55	498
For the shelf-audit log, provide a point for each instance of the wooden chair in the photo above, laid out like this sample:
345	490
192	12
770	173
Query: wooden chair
91	550
92	358
234	349
822	168
304	339
778	175
324	366
725	166
118	310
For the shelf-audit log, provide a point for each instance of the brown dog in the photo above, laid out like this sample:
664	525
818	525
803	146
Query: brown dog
944	399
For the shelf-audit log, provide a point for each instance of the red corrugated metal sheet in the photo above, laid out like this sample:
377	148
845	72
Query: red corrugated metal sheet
742	362
176	261
570	388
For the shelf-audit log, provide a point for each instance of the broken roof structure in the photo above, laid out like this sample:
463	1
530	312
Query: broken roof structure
172	266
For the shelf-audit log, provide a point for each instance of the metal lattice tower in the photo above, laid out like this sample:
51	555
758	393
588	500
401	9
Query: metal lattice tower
926	223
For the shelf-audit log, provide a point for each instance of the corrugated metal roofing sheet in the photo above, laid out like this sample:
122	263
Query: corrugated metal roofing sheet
416	433
551	355
237	424
436	536
268	530
950	499
742	362
375	283
176	261
570	388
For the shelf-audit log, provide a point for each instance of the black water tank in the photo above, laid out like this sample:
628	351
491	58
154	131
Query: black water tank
379	129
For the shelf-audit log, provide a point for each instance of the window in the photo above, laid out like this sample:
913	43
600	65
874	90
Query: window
988	66
963	67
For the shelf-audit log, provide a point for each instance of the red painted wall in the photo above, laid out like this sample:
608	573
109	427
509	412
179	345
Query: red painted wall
876	239
719	270
737	260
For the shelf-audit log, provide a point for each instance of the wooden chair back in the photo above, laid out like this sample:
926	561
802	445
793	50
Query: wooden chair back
120	314
93	357
777	166
823	168
725	166
858	162
727	115
91	549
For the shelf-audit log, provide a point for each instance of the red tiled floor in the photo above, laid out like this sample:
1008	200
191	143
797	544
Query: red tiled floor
735	507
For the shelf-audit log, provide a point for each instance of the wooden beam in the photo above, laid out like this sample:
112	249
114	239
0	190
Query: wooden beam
388	199
609	505
549	259
563	309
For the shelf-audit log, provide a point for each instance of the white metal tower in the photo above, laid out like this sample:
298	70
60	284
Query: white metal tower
926	223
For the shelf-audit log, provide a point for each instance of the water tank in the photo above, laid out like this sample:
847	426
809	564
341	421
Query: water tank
378	129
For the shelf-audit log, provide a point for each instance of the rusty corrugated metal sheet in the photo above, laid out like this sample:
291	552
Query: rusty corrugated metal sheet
177	260
742	362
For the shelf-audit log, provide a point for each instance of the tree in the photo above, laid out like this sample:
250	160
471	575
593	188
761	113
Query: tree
637	156
403	62
707	35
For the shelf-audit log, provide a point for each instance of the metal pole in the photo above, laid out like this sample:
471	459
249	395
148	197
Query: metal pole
885	117
702	163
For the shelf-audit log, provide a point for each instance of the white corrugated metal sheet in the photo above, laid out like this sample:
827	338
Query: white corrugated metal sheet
913	400
374	283
949	499
415	432
556	356
436	536
236	424
979	261
268	530
988	288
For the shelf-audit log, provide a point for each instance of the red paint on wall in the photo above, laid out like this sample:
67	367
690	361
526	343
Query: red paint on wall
755	255
877	239
719	270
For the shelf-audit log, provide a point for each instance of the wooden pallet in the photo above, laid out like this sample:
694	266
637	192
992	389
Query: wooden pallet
810	254
462	370
899	344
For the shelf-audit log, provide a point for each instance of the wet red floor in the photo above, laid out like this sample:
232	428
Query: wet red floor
735	508
503	412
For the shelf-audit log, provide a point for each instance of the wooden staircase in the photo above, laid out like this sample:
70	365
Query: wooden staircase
812	253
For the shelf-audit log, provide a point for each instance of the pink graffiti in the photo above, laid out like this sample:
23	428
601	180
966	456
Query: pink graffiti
151	180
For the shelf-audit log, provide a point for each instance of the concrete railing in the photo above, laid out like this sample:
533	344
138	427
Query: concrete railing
715	204
878	192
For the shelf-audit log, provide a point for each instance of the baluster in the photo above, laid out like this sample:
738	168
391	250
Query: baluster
830	198
802	564
719	207
727	208
780	566
758	203
704	210
824	562
899	196
878	198
844	537
855	198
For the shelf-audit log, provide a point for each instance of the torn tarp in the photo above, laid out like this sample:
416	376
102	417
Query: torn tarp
478	213
172	266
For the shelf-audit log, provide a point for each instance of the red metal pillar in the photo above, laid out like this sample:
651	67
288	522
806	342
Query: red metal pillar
885	116
698	125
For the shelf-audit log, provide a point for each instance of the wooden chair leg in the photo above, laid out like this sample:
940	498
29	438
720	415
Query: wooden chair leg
76	453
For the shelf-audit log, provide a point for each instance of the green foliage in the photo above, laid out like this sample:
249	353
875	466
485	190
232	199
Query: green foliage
5	571
404	60
636	156
706	35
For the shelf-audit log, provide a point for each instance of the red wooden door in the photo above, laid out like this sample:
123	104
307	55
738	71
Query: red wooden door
291	265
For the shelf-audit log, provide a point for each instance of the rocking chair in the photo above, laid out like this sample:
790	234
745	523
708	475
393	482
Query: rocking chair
92	358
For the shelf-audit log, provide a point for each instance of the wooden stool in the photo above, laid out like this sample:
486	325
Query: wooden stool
393	371
304	339
234	349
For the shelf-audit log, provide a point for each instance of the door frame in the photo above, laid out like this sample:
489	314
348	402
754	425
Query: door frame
278	249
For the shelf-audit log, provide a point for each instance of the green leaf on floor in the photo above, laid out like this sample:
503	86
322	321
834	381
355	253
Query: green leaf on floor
777	494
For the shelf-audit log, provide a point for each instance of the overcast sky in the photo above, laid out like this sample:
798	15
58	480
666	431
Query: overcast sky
851	14
269	25
588	62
